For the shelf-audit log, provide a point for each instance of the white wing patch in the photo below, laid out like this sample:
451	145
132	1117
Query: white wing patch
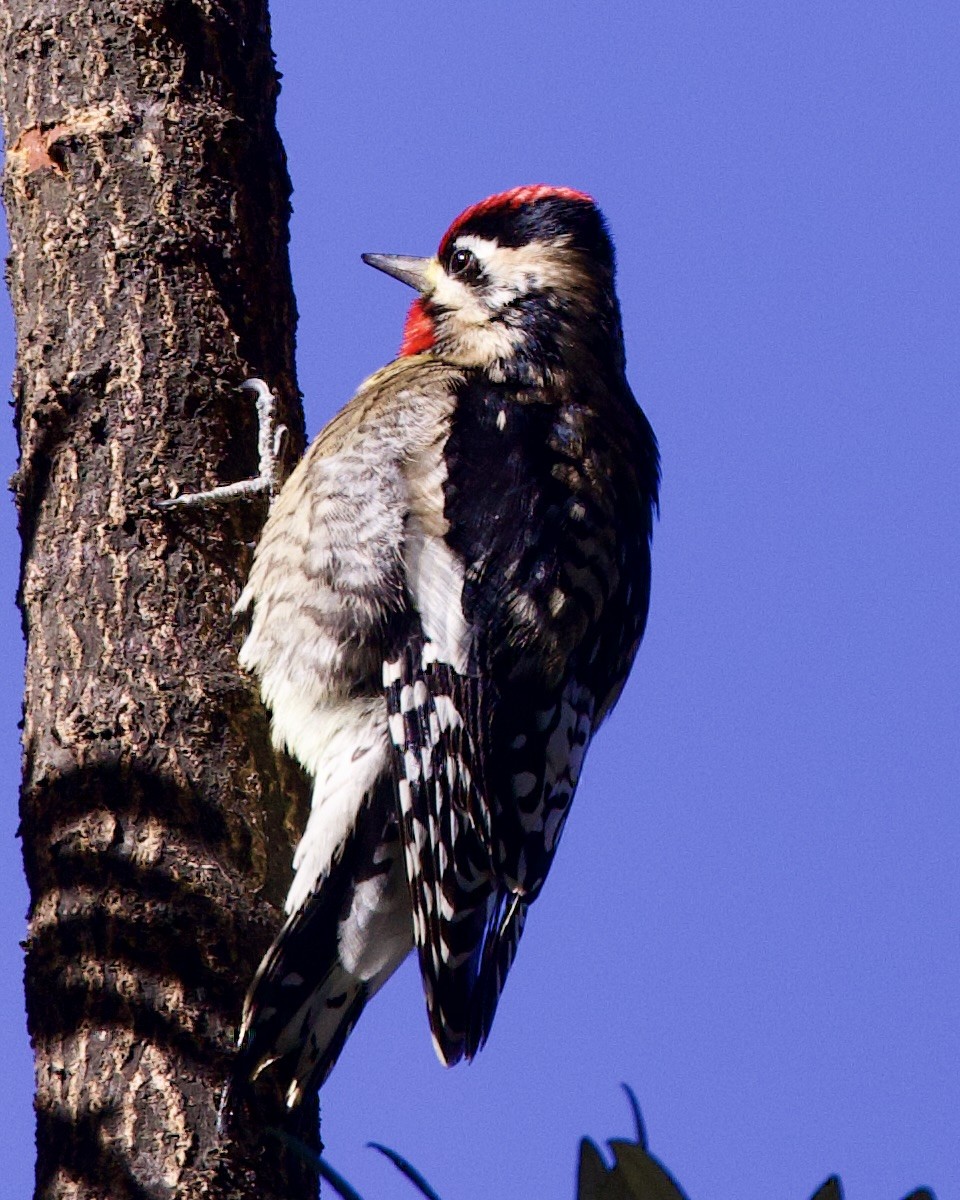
435	576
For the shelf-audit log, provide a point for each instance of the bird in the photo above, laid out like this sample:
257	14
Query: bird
444	605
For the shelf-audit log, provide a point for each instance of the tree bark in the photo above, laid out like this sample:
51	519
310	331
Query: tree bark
147	197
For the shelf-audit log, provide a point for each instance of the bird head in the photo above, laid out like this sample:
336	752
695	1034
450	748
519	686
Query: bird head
522	287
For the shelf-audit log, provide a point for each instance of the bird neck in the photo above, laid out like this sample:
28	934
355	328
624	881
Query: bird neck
534	343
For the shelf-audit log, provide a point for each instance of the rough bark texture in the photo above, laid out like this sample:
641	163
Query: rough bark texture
147	197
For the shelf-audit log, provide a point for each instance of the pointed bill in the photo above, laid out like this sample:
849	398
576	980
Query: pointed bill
405	267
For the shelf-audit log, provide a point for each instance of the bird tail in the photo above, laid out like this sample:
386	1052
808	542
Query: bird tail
333	953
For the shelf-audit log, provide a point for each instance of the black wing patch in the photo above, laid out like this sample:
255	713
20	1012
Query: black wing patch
543	742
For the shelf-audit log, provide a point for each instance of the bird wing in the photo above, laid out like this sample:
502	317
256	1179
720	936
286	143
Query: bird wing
549	502
527	567
434	716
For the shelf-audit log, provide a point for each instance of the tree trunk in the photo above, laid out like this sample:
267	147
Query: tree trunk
147	196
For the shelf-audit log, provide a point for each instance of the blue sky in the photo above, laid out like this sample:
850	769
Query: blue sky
754	917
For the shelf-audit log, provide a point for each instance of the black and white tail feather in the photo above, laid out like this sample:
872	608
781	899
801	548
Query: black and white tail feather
332	954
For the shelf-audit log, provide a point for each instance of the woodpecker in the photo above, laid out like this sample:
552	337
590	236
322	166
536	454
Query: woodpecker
444	605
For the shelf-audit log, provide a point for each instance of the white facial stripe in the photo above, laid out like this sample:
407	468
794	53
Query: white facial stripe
538	266
474	325
483	248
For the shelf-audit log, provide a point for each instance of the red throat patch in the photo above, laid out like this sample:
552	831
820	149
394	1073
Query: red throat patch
515	198
417	330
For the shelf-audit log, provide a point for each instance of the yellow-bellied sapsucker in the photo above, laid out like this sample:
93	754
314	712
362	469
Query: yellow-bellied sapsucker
445	603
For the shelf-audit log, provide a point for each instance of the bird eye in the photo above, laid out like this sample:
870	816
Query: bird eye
464	265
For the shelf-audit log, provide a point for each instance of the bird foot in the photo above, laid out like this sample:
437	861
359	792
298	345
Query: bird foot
269	442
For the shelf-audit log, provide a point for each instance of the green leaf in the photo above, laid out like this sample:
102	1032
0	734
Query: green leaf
595	1182
646	1177
635	1174
832	1189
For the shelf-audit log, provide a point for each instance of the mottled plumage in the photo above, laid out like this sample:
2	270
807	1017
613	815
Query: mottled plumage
445	603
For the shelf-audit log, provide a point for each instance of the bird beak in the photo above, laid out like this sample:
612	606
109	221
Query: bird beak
410	270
